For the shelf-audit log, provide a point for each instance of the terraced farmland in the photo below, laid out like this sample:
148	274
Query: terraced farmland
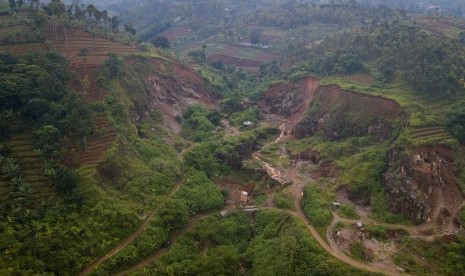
438	133
70	41
24	155
94	93
17	37
99	143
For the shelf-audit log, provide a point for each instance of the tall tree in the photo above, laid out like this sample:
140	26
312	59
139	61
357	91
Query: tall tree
161	42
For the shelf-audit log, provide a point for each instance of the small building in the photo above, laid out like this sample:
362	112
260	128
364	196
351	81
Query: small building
224	213
247	123
244	197
359	224
337	204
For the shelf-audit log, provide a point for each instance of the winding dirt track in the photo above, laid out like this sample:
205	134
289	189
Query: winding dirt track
157	254
140	229
297	188
131	238
298	184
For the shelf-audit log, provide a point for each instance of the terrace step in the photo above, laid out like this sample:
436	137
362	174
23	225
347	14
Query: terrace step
428	133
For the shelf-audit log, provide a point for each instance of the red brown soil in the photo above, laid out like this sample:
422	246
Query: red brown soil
24	48
239	62
175	87
309	87
297	95
445	196
379	106
436	25
70	41
234	191
177	32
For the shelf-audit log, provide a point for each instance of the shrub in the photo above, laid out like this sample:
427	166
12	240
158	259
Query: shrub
314	206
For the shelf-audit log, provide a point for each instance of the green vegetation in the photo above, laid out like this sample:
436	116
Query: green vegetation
271	154
252	114
348	211
357	250
277	244
456	121
282	246
284	200
212	246
35	84
223	155
431	66
339	150
462	216
199	123
72	211
423	258
379	232
199	192
316	206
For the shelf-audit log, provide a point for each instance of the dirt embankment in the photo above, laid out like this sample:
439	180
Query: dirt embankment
422	185
172	88
339	114
289	100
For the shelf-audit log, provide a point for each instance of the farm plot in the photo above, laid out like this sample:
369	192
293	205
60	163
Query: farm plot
71	41
238	55
442	26
31	168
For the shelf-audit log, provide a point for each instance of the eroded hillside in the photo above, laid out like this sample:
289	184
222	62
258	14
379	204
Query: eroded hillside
121	158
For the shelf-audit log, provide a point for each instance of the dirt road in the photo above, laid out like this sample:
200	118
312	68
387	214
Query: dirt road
188	227
139	229
298	184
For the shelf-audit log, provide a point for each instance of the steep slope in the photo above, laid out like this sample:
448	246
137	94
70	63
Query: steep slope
167	86
289	100
337	114
87	53
422	185
17	35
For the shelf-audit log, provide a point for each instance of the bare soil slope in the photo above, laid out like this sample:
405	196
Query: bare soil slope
339	114
422	185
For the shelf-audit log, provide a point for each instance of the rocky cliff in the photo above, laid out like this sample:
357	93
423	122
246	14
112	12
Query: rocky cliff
421	184
168	87
338	114
289	100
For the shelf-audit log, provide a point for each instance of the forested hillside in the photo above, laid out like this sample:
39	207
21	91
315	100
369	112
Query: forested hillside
231	138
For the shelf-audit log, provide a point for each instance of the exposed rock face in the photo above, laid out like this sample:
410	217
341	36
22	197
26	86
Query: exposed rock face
173	91
282	99
339	114
244	149
289	100
422	186
241	152
168	87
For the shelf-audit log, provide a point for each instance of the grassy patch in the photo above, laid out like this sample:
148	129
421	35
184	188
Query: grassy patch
379	232
348	211
315	206
330	150
270	154
284	200
357	250
421	257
